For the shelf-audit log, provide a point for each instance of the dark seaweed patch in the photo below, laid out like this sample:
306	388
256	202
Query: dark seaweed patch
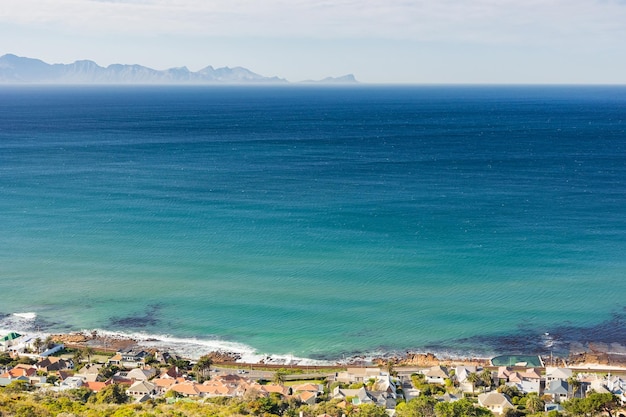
556	340
146	319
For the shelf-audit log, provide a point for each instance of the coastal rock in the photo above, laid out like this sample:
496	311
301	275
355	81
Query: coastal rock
596	358
223	357
70	339
420	359
105	343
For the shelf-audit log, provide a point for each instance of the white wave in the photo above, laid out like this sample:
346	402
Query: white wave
26	316
17	322
193	348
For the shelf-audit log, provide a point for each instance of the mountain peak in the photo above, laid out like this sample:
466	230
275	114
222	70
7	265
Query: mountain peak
15	69
344	79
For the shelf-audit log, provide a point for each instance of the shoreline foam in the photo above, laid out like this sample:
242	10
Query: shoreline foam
594	355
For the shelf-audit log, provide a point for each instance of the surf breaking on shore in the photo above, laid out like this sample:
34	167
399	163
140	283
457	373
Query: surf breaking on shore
600	350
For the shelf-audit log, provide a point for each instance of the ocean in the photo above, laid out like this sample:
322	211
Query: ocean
317	223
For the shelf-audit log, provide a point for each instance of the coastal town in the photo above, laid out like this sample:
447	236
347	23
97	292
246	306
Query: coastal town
125	374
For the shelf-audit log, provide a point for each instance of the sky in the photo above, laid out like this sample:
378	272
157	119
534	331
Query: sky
379	41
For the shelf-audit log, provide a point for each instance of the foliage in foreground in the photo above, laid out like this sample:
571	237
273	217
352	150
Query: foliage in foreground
111	402
17	401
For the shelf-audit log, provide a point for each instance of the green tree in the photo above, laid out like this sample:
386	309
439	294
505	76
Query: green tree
418	379
574	384
77	357
595	404
473	378
486	379
5	358
534	403
510	391
49	342
182	364
107	372
598	403
511	412
203	368
576	407
279	377
328	407
17	386
421	406
263	405
370	410
390	367
112	394
88	353
37	344
461	408
81	394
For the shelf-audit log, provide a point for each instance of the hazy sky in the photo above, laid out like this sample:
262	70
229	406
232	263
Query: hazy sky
380	41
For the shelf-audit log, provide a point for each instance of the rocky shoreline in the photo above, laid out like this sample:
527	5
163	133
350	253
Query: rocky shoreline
596	354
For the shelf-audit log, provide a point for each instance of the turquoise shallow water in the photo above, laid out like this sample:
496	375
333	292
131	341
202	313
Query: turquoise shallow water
318	222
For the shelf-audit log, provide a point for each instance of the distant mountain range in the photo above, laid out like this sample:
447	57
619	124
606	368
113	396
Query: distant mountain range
15	69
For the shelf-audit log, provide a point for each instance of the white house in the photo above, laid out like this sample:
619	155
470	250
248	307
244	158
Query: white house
72	382
436	375
496	402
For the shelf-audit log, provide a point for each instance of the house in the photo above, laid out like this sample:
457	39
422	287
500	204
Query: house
89	373
164	384
307	393
18	373
95	386
448	398
142	388
358	396
410	393
218	389
307	397
553	374
617	386
462	373
494	401
384	383
237	386
53	364
531	380
309	387
527	381
72	382
64	375
187	389
558	389
383	399
172	373
141	374
553	407
598	385
355	375
436	375
21	372
115	360
164	357
276	389
129	358
10	340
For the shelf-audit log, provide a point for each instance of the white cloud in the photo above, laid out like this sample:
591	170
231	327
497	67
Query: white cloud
420	20
383	40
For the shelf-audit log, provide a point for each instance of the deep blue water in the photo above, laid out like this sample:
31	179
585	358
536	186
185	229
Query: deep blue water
318	221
